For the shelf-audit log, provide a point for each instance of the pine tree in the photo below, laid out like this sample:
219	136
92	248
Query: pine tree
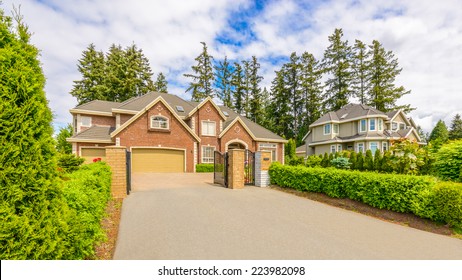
62	146
291	72
337	63
360	83
456	128
237	82
369	161
279	109
161	84
311	92
223	82
359	161
439	135
353	159
91	86
202	76
377	160
383	71
256	99
33	214
246	83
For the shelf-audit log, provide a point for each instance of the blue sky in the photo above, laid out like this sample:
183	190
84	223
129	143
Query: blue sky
426	37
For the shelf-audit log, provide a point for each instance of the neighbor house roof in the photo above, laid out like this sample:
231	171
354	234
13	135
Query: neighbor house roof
94	134
348	113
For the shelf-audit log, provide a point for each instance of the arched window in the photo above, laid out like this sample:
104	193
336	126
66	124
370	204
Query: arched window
159	122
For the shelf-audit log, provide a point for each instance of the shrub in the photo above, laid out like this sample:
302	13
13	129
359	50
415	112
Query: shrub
340	163
313	161
421	195
69	162
369	161
204	167
448	161
295	160
87	193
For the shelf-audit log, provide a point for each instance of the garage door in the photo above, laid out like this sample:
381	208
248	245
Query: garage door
157	160
91	153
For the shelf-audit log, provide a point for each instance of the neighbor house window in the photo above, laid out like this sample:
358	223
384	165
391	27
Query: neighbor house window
207	154
384	146
360	147
208	128
402	126
159	122
379	124
327	129
335	128
373	146
362	125
372	124
332	148
339	148
86	121
394	126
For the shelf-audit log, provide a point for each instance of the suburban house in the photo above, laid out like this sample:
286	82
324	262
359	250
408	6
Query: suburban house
358	127
165	133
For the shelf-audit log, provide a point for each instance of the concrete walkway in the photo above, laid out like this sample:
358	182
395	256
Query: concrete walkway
185	216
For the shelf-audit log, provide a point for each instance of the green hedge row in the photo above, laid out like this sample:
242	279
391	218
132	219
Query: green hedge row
204	167
87	193
421	195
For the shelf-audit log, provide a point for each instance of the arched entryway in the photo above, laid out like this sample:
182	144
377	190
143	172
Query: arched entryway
236	144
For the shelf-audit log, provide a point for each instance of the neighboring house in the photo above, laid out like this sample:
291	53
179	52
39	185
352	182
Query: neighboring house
166	133
301	151
357	127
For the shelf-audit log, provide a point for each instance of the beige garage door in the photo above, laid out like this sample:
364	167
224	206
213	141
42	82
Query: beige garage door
91	153
157	160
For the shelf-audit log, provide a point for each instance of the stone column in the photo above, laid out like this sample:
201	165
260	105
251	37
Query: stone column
262	163
236	169
116	158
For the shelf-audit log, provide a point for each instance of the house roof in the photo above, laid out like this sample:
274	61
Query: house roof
96	134
347	113
137	104
300	149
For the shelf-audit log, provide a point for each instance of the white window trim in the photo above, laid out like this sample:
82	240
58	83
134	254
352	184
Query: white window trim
357	147
397	126
333	148
375	124
87	118
214	131
202	153
377	146
379	125
330	129
365	127
267	147
333	128
339	148
159	116
384	144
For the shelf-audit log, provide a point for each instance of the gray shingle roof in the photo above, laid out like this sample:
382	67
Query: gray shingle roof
95	133
347	112
99	106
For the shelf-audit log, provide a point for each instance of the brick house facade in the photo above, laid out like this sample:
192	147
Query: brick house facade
166	133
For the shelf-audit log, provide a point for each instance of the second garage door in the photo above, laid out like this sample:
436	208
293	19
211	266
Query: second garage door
157	160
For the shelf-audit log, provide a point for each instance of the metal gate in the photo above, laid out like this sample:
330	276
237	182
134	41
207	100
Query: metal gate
129	171
249	168
220	172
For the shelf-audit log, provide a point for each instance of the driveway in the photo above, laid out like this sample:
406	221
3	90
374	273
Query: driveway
186	216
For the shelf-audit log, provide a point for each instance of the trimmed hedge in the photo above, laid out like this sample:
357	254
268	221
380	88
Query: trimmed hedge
204	167
421	195
87	193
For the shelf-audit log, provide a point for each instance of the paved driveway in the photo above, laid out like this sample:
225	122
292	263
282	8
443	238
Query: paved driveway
185	216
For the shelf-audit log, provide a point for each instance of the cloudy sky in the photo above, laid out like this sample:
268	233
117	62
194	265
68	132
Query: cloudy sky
425	35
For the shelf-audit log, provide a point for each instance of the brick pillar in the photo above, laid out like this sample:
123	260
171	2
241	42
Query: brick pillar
116	159
262	163
236	169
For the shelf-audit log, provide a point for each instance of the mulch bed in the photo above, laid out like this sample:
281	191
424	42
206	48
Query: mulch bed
110	224
405	219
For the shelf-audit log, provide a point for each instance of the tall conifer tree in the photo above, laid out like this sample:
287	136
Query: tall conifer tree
456	128
223	82
337	63
237	82
161	84
360	83
202	77
256	99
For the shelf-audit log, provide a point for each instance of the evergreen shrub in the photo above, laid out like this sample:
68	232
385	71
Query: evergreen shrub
204	167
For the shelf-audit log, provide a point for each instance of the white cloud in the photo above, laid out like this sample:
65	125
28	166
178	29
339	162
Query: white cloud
426	37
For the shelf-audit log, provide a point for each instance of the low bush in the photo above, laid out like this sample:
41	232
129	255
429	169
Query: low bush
86	193
69	162
421	195
448	162
204	167
341	163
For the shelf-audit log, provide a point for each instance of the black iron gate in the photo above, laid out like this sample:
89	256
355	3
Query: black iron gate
249	168
128	169
220	173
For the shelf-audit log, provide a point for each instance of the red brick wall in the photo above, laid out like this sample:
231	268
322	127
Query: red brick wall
124	118
237	131
138	134
207	112
99	120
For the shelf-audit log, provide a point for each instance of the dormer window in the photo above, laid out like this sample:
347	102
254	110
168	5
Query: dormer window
362	125
159	122
394	126
335	128
86	121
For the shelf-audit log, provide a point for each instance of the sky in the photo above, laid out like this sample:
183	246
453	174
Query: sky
425	36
